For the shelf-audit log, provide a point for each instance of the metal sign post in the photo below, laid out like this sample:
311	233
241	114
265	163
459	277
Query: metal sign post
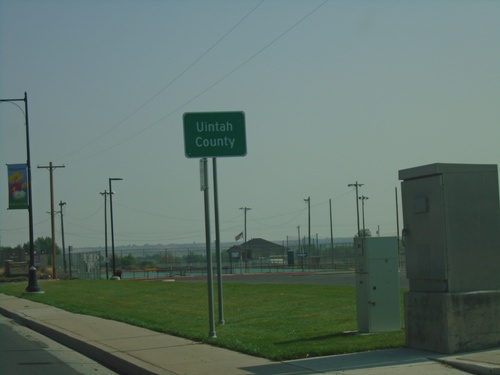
213	134
217	244
204	187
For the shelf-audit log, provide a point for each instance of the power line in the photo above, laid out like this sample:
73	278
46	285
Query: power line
172	81
206	89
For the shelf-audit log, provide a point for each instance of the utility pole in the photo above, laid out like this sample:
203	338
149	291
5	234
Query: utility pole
112	230
308	201
356	185
61	204
51	168
363	198
105	194
331	234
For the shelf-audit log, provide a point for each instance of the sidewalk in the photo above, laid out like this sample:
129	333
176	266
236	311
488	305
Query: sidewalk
131	350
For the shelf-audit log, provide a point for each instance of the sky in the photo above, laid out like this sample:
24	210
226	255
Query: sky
334	93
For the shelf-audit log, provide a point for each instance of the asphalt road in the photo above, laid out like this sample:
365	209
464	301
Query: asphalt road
320	278
23	351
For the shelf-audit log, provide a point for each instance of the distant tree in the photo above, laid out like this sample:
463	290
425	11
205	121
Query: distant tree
364	233
127	261
43	245
194	258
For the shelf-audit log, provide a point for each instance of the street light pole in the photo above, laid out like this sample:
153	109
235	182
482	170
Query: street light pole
112	229
33	286
105	193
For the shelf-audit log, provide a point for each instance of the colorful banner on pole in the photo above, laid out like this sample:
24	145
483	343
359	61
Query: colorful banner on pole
18	186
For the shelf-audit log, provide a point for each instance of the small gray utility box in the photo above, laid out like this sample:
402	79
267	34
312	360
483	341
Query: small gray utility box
377	284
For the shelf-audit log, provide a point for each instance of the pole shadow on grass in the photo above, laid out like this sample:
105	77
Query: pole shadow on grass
323	337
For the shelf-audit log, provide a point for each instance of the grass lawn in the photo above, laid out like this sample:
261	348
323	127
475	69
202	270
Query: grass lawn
273	321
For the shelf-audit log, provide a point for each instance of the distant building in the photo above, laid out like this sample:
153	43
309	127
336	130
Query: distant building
258	249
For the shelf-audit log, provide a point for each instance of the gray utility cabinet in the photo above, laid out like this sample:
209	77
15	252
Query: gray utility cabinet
451	227
377	284
451	234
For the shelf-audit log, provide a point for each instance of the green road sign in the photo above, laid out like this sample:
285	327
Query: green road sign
214	134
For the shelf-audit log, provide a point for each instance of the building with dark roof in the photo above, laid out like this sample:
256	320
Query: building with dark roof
258	249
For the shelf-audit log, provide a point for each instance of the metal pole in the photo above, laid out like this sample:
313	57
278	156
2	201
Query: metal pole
32	279
308	200
364	232
105	193
363	198
61	204
331	234
112	228
356	185
397	223
301	253
211	332
69	256
32	283
217	244
245	209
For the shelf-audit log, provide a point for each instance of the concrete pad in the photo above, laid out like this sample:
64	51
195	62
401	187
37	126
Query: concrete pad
205	359
485	362
379	358
147	342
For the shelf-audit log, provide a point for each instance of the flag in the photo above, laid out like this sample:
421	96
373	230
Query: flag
18	186
238	236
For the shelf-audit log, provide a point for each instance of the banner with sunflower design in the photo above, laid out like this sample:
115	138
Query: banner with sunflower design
18	186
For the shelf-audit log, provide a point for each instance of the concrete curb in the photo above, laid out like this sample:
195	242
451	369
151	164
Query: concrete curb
471	367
